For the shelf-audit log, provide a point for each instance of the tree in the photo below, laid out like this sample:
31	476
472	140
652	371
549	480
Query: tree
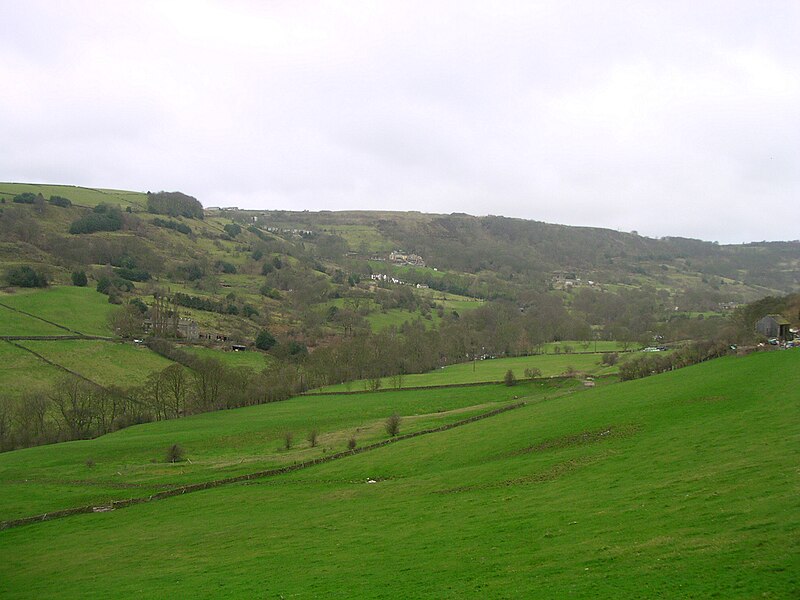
610	358
176	387
533	372
509	378
127	321
265	340
79	279
102	218
26	277
232	229
313	437
175	453
288	438
174	204
393	424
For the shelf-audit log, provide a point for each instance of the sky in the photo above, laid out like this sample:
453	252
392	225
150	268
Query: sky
667	118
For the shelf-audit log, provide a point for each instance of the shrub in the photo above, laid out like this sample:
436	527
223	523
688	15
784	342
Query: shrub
26	277
25	198
79	279
313	437
610	358
265	340
174	204
270	292
132	274
174	225
110	286
102	218
232	229
351	443
175	453
60	201
288	438
226	267
509	378
533	373
393	425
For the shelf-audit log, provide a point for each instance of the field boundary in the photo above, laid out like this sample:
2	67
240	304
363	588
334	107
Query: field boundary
197	487
56	365
56	338
40	318
448	385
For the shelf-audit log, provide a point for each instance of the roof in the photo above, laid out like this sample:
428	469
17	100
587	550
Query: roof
779	319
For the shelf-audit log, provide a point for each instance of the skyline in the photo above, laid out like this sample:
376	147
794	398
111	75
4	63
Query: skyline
677	121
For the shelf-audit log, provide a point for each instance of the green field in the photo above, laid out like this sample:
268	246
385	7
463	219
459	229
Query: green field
78	195
106	363
251	359
22	372
15	323
682	485
81	309
130	462
551	365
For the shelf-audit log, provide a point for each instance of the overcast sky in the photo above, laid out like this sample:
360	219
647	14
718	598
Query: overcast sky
669	118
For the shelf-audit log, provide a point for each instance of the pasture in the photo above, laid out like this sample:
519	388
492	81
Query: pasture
251	359
107	363
21	372
550	365
17	323
80	309
81	196
131	462
679	485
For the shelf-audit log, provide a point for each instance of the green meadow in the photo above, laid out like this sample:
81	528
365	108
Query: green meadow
107	363
80	309
494	369
16	323
131	462
251	359
682	485
78	195
22	372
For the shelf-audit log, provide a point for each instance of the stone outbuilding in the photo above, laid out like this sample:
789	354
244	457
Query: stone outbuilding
774	326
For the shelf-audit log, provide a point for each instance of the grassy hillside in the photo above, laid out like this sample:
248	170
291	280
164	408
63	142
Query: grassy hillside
679	485
550	365
78	195
22	372
81	309
131	461
106	363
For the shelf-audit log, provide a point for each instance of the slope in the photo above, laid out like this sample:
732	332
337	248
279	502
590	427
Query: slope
680	485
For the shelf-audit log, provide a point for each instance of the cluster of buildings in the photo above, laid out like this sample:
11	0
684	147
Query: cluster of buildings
401	258
563	280
395	280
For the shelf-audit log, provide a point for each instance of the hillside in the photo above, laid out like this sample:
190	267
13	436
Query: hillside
320	300
679	485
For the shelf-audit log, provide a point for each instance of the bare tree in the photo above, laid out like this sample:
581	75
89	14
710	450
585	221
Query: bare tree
393	424
176	386
313	437
73	399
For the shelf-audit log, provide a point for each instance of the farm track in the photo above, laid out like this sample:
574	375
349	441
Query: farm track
186	489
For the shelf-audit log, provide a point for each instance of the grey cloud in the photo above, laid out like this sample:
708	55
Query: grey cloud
671	119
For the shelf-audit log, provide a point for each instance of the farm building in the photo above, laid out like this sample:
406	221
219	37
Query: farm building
773	326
